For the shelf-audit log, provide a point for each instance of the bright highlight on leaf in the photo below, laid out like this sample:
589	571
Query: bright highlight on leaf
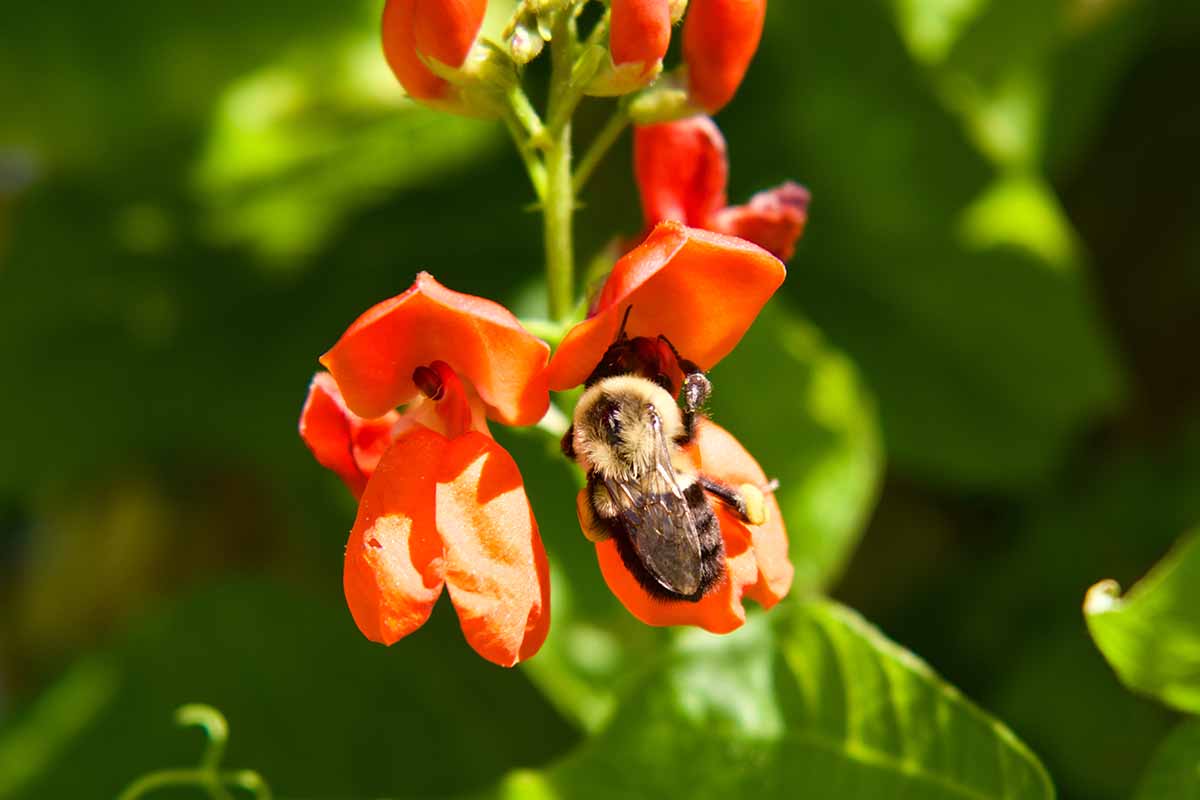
1151	636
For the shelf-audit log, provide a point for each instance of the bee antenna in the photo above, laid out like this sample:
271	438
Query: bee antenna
678	358
624	321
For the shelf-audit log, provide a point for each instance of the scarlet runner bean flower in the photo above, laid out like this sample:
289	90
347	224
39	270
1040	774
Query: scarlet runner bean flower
701	290
441	503
444	30
719	41
682	171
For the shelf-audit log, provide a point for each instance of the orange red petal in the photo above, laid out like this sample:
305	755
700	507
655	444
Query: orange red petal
482	341
700	289
393	571
341	440
495	565
681	170
720	38
447	29
441	29
773	219
720	456
400	50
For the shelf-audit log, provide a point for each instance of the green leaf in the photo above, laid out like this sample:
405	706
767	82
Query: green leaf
799	406
311	705
810	702
133	79
298	146
1174	774
978	336
1151	636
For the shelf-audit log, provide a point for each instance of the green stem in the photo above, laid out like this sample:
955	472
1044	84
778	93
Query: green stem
559	207
559	201
529	156
213	782
600	146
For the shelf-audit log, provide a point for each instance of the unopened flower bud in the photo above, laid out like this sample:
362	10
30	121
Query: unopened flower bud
422	36
639	36
525	44
719	41
640	32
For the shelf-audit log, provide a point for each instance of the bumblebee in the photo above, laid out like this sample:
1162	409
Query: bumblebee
628	435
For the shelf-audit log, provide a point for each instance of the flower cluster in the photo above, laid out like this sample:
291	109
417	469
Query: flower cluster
402	413
426	40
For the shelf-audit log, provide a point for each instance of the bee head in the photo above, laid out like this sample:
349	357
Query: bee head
615	425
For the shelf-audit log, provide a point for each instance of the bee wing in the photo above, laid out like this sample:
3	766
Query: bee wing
659	520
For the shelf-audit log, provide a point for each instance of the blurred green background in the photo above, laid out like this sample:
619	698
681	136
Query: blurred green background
979	385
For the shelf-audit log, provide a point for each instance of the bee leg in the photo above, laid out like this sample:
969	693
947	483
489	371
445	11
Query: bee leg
568	443
593	529
696	390
748	501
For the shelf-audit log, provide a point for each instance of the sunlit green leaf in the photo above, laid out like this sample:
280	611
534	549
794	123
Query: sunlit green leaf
809	702
1151	636
132	78
299	145
1018	620
979	337
1174	774
1021	211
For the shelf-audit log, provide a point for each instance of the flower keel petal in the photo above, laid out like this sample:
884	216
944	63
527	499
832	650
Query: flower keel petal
393	568
495	565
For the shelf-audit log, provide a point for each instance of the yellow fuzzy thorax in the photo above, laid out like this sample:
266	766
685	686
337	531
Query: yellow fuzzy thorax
635	452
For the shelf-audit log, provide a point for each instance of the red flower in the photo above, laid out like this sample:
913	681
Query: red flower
702	291
441	502
682	171
444	30
719	40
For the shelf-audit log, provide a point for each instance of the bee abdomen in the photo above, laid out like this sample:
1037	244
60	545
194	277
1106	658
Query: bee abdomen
712	550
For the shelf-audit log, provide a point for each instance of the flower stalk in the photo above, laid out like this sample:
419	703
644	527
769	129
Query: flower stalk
558	205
